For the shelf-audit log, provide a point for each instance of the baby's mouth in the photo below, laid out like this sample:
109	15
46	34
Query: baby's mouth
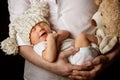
42	34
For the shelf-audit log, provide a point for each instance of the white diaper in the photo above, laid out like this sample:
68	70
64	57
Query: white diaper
85	53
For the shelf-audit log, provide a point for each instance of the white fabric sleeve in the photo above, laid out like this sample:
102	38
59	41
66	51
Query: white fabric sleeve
40	47
16	7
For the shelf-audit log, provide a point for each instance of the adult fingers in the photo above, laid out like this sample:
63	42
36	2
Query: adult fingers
83	75
100	59
86	75
77	78
66	54
87	65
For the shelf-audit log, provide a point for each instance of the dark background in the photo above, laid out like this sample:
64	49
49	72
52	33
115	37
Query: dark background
11	67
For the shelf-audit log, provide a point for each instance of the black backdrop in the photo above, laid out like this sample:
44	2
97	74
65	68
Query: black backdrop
11	67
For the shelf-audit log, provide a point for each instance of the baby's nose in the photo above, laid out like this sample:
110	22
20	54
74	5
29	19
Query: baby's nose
40	29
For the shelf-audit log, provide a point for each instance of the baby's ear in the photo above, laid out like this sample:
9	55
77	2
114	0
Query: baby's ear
98	2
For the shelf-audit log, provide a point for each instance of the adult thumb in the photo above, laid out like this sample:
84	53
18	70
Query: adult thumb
67	53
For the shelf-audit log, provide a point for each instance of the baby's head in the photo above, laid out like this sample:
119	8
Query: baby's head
39	32
22	26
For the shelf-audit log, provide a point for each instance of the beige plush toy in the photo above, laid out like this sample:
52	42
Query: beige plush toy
107	20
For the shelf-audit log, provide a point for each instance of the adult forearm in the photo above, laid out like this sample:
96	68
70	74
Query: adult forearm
114	54
109	58
28	53
60	67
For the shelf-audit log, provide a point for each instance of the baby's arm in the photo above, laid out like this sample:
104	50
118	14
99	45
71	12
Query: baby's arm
53	44
50	52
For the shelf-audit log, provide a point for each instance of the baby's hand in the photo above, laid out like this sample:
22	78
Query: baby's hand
50	36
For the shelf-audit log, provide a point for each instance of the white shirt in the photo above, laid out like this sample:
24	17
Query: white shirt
71	15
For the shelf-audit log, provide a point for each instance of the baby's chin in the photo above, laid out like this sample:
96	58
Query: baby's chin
43	39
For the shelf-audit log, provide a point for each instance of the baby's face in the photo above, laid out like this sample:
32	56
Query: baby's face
39	32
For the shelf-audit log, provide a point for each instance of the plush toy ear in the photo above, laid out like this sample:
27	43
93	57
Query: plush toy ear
93	22
98	2
107	44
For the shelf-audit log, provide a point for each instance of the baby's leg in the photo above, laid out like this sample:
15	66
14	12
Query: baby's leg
81	41
86	52
84	40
